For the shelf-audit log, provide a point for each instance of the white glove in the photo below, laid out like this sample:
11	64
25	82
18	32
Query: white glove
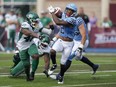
51	9
78	52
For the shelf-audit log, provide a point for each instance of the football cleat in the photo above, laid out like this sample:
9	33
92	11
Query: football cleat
52	69
60	79
46	73
53	77
95	67
29	79
32	75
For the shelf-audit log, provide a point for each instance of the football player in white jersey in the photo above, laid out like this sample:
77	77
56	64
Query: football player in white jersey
26	45
43	50
64	43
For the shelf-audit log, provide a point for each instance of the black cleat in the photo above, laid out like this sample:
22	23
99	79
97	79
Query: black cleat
52	69
29	79
32	75
60	79
46	73
95	67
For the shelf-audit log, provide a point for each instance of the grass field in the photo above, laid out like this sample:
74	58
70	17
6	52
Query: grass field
79	74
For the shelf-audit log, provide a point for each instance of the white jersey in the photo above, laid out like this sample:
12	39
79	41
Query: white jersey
40	50
24	41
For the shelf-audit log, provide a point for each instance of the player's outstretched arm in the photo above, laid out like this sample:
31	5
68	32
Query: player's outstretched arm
83	33
58	21
29	33
55	18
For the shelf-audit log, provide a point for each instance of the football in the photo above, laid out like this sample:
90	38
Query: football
58	12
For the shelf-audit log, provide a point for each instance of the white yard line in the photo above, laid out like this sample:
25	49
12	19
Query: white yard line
6	86
108	54
75	72
93	84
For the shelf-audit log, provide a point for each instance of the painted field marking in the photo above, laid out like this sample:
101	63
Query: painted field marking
93	84
6	86
7	74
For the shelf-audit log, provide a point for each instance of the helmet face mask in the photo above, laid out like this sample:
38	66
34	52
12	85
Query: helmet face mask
43	45
33	19
71	10
34	23
44	42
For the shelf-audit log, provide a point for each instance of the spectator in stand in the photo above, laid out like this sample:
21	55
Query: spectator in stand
83	15
93	20
46	21
1	18
2	32
107	23
20	18
11	21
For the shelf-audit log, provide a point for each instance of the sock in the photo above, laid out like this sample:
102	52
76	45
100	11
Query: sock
27	71
64	68
35	63
68	64
87	61
53	58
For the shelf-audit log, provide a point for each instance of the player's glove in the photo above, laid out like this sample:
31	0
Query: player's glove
51	9
79	51
51	27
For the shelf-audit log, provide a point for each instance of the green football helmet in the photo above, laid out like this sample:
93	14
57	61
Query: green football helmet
32	19
44	41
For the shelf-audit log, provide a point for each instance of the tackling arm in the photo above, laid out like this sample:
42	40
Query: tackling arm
29	33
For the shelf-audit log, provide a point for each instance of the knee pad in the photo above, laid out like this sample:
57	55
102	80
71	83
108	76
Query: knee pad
16	58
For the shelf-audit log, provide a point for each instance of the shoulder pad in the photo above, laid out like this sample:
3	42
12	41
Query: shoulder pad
79	21
25	25
40	25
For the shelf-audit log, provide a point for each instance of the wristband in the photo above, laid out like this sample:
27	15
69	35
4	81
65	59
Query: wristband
54	39
81	46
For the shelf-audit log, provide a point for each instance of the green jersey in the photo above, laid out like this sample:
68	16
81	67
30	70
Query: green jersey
45	21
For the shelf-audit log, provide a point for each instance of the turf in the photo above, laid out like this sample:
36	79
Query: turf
79	74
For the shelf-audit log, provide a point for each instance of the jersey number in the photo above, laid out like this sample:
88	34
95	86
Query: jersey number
29	38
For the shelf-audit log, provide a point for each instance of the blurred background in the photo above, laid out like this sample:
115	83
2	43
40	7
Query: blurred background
99	15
